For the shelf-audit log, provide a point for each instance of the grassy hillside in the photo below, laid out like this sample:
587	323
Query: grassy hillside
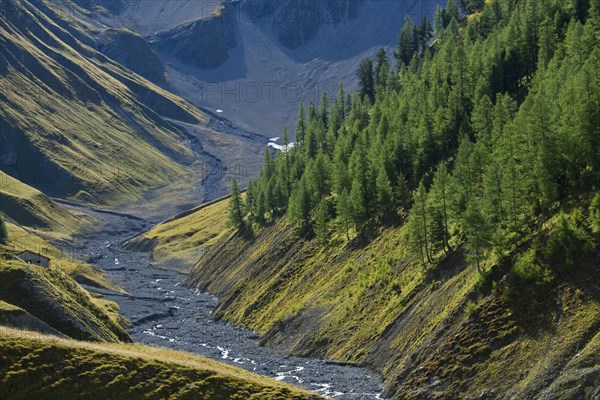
20	239
56	299
52	301
29	207
102	371
523	328
76	123
179	242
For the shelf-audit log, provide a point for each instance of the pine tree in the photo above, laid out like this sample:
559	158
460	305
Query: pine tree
438	21
478	232
321	220
300	124
438	208
366	81
382	70
324	109
236	206
408	42
385	202
344	213
418	224
300	203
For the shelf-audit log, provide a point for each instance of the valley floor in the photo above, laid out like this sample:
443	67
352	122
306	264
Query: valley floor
165	313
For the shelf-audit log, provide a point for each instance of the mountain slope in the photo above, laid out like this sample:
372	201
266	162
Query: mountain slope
179	242
75	123
377	304
31	208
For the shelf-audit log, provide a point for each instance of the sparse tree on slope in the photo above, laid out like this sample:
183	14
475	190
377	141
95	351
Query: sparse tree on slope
236	206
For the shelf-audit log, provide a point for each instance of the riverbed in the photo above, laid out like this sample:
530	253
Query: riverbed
163	312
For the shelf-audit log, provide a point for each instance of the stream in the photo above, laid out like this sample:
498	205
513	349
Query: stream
165	313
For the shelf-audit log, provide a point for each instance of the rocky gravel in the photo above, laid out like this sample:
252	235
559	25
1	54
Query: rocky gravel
165	313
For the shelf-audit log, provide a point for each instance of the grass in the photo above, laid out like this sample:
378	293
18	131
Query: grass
50	368
180	243
56	299
31	208
83	122
376	303
21	240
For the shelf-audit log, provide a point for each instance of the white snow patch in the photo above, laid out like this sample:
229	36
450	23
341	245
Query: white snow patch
281	147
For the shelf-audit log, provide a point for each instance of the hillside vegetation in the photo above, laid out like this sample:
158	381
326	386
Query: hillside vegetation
441	224
179	242
76	123
51	300
31	208
102	371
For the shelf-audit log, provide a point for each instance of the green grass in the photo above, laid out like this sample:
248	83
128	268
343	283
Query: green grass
20	240
58	300
375	303
29	207
51	368
180	243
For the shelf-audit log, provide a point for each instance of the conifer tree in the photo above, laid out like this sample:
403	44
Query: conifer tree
344	213
385	202
300	124
418	224
366	80
236	206
478	233
321	220
408	42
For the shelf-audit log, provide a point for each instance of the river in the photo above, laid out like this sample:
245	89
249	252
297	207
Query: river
165	313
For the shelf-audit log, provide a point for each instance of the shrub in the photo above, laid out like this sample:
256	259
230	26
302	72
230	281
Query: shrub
567	243
470	308
594	212
527	270
3	231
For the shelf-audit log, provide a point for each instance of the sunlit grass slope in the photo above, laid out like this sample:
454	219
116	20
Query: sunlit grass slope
50	368
442	331
31	208
178	243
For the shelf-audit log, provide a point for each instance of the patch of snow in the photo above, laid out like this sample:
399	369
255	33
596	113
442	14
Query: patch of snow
280	147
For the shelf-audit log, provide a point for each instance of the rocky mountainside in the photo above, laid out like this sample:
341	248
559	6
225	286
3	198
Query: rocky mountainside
250	58
77	122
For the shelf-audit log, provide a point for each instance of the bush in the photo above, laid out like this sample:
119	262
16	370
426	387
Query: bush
594	212
3	231
567	243
530	291
527	270
470	308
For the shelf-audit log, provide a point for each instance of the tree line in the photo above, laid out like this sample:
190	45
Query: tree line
486	124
